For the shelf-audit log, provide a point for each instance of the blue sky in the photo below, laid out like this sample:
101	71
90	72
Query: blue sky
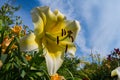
99	19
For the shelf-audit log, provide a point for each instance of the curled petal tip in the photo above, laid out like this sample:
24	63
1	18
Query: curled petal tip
116	72
113	73
28	43
55	11
78	25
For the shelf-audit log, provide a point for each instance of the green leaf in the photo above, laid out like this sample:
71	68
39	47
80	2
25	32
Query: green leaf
39	73
70	74
23	74
31	78
3	57
0	24
8	66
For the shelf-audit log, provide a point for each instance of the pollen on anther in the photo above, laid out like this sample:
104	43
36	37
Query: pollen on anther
57	39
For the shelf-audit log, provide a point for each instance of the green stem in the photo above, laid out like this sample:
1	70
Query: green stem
7	50
1	40
70	74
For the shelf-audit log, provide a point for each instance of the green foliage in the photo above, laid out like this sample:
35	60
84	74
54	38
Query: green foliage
15	65
70	68
103	70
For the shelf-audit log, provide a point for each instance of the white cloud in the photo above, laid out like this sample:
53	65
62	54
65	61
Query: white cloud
102	18
64	6
99	19
106	36
81	42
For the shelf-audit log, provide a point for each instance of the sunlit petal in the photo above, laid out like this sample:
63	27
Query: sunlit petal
116	72
53	62
28	43
73	26
63	29
59	15
48	17
71	50
54	55
38	23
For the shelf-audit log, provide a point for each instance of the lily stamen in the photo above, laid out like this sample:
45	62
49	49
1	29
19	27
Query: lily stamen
71	38
69	35
62	32
57	39
66	48
70	32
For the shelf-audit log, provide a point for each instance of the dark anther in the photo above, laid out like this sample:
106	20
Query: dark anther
66	48
62	32
70	32
71	38
57	39
69	35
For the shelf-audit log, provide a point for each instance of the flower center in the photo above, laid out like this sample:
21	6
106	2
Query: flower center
64	35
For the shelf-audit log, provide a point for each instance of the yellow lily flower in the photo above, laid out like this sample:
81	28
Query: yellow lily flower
6	42
57	77
28	57
52	33
116	72
16	29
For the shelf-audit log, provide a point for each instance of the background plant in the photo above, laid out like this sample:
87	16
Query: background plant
15	64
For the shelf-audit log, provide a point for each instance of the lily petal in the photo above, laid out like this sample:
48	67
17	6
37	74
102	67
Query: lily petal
71	50
59	15
53	62
46	15
116	72
28	43
74	27
66	26
38	23
54	57
50	19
